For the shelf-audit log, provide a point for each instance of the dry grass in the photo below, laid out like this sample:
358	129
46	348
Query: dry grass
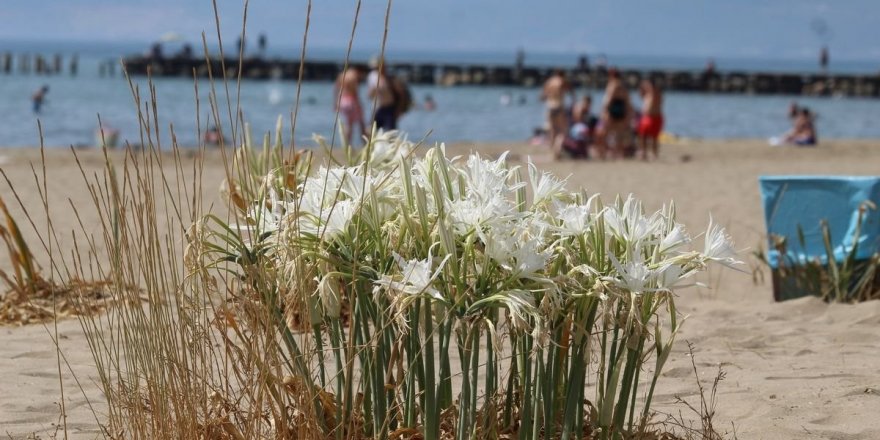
32	299
43	302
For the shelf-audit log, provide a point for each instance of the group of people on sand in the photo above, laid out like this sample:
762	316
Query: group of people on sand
619	131
803	128
389	94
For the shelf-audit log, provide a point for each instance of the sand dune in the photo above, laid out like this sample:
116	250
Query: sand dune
800	369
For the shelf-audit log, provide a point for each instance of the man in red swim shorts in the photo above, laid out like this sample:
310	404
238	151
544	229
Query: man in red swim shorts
651	122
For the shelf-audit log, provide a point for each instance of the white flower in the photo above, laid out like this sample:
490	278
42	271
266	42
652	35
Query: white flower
575	218
262	219
633	276
487	180
499	247
476	213
529	259
676	238
628	222
719	246
387	147
416	277
337	218
670	276
544	187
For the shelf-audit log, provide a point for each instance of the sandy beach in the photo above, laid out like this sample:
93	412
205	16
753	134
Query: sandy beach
800	369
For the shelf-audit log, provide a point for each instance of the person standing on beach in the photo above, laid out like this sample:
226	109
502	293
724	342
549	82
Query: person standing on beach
348	102
380	90
651	122
261	45
823	59
553	95
38	98
617	113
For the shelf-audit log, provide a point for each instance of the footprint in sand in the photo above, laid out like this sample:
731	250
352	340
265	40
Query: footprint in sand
35	355
678	372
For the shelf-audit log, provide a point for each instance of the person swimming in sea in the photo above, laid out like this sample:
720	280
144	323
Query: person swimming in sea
429	105
38	98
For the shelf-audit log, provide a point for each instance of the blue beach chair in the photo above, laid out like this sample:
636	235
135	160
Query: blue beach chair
804	202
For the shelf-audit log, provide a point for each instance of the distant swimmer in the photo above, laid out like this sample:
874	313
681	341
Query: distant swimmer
349	101
106	136
213	136
651	121
429	105
38	98
275	95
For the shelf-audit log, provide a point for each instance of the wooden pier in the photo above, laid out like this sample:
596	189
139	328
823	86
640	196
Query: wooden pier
499	75
449	74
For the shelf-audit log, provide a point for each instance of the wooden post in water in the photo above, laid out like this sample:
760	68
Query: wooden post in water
24	63
7	63
74	64
56	64
39	65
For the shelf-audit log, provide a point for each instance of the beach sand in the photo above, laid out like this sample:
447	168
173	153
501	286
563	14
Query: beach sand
800	369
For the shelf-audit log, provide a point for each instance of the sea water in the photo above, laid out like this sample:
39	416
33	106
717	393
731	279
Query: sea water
469	114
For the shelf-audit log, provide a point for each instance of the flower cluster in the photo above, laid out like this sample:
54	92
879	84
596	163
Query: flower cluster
474	235
436	254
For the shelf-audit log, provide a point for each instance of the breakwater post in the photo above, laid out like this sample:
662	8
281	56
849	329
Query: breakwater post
7	63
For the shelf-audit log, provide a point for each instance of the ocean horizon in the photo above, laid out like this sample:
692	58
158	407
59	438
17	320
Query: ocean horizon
110	50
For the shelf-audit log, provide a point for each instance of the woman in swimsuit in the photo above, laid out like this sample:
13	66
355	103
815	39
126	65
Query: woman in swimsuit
617	113
349	103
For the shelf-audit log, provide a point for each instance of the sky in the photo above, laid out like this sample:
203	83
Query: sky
772	29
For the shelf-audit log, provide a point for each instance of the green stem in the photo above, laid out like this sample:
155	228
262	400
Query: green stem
432	413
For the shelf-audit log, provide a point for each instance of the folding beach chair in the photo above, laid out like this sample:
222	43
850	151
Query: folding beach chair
795	208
